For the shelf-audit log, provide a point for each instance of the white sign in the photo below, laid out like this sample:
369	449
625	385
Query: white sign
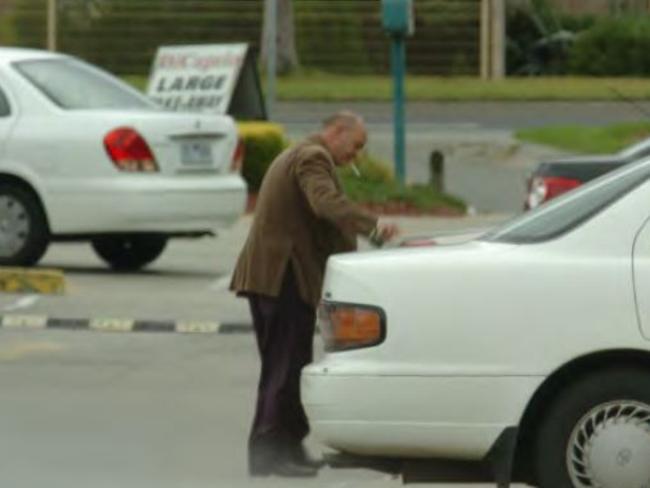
196	78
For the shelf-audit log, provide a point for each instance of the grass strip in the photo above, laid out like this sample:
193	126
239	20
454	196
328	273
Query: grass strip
591	140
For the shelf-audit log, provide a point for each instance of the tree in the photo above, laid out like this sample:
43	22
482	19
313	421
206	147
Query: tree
285	41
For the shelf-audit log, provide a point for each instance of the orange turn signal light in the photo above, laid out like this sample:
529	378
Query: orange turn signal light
348	326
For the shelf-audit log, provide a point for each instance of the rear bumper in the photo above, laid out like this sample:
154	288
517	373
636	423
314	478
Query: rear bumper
147	204
413	416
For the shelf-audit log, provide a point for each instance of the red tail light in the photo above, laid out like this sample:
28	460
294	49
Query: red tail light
129	151
238	157
545	188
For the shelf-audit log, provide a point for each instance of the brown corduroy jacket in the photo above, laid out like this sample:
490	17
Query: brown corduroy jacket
302	217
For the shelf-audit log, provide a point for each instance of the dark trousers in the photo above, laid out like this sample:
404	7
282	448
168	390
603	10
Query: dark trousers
284	328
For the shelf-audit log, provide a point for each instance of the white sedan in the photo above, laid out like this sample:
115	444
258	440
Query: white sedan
83	156
528	346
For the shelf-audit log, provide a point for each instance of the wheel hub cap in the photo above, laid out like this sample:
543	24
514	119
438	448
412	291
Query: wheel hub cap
14	226
610	447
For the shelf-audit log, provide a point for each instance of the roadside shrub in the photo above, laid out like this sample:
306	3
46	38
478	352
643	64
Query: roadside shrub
613	47
377	188
263	141
539	38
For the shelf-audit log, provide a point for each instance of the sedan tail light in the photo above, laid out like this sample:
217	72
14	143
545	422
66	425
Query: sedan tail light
347	326
129	151
238	157
541	189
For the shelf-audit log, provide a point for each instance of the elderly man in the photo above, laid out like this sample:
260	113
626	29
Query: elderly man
302	217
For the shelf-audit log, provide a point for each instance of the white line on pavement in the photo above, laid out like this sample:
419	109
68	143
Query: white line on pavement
221	284
23	302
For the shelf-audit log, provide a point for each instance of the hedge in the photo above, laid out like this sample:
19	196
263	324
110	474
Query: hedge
375	185
613	47
263	141
122	35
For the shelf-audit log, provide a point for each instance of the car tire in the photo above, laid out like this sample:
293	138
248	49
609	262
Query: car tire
129	252
24	233
597	433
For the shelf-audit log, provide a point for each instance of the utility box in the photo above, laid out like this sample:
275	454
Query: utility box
398	17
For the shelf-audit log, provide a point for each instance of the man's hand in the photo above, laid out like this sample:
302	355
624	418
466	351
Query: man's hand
387	231
383	232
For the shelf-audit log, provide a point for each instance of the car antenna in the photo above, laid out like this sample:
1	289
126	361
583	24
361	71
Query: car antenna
630	101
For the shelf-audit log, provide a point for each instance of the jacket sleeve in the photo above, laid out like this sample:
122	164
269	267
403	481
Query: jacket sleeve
317	180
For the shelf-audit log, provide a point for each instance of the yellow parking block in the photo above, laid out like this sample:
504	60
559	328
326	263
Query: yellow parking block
27	280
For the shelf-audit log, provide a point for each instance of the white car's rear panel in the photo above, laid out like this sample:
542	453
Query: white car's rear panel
472	331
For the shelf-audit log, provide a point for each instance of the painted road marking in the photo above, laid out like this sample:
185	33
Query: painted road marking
198	327
112	325
25	321
23	302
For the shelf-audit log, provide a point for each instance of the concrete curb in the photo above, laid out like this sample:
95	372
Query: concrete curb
26	280
41	322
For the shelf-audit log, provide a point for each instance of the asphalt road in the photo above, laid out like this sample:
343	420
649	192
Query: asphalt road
485	115
106	410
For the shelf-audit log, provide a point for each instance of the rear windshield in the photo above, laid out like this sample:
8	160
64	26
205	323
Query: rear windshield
74	85
567	212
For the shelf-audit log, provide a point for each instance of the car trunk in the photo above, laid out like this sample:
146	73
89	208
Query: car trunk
184	142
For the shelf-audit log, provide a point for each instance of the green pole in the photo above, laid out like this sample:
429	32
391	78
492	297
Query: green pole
398	61
271	56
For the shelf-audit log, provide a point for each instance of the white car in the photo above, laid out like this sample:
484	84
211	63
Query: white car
528	347
83	156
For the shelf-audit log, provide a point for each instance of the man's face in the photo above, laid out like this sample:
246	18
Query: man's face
349	141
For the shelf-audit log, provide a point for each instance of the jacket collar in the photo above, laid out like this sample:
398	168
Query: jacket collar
318	140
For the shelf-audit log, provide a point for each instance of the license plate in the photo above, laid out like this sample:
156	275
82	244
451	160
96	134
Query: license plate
196	153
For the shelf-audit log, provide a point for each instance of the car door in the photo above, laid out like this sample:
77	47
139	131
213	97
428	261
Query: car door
641	269
7	116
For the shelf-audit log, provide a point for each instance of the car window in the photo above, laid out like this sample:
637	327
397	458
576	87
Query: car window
74	85
5	109
569	211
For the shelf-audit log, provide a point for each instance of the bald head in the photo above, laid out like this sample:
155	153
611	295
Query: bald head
344	118
344	134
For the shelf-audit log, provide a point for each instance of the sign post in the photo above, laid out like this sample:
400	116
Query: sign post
398	20
271	54
51	25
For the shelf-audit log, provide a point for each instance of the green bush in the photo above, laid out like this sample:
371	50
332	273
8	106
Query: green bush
377	185
263	141
613	47
540	37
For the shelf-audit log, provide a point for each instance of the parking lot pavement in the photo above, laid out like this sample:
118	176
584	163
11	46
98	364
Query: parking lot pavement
141	411
187	284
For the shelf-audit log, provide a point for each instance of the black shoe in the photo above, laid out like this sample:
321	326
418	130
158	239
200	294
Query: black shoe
287	469
300	456
291	469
